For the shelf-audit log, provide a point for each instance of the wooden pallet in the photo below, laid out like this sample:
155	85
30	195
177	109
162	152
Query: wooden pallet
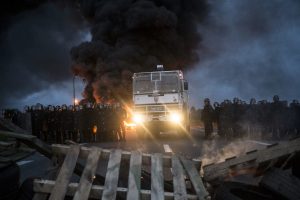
183	171
8	125
255	162
282	183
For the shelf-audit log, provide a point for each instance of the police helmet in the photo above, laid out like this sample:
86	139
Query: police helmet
77	108
89	105
264	101
295	101
252	101
216	104
70	107
276	98
50	108
64	107
38	106
206	100
26	108
235	100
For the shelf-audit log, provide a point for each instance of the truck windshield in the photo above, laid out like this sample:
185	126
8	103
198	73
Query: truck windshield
157	82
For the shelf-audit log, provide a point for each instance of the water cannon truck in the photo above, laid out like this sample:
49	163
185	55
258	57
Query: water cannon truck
160	103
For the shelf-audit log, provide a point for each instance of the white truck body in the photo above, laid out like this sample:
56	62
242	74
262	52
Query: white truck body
160	100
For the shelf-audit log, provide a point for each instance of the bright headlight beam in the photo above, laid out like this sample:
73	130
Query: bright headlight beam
138	118
175	117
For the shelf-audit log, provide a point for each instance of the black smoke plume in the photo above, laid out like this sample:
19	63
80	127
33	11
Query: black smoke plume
133	36
35	40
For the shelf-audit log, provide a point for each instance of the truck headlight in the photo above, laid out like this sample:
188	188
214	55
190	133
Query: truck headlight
175	117
138	118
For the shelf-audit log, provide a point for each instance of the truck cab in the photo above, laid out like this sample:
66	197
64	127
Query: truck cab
160	102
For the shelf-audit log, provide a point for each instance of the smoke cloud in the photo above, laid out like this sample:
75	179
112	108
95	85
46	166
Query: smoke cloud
133	36
250	48
231	48
218	150
36	37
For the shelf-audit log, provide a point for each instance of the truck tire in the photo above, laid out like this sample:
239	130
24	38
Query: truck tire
241	191
9	180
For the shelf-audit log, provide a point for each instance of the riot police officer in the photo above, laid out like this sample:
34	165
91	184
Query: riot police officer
217	112
207	116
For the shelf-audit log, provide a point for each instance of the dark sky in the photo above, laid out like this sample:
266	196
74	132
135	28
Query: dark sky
35	53
249	48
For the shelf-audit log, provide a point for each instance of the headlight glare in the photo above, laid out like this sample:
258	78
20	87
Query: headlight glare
175	117
138	118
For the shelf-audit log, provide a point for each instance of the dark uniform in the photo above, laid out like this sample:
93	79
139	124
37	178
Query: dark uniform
277	109
51	123
217	113
237	113
207	117
121	117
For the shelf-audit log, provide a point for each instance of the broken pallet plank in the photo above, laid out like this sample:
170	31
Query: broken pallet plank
134	179
195	178
157	178
282	183
21	136
223	169
178	179
146	158
65	174
46	186
88	175
40	196
112	175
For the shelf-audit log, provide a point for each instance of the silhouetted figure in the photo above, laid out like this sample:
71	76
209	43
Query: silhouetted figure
207	117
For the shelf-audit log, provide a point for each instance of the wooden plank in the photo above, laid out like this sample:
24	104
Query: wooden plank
178	180
282	183
46	186
40	196
10	126
7	144
223	169
64	176
157	178
195	178
21	136
112	175
134	179
88	175
146	158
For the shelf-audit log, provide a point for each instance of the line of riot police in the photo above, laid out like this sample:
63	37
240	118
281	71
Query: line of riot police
264	119
79	123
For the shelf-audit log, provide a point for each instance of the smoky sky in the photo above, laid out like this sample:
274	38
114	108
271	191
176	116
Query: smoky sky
133	36
250	49
34	51
233	48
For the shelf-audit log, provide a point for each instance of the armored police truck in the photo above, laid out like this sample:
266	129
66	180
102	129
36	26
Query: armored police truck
160	101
